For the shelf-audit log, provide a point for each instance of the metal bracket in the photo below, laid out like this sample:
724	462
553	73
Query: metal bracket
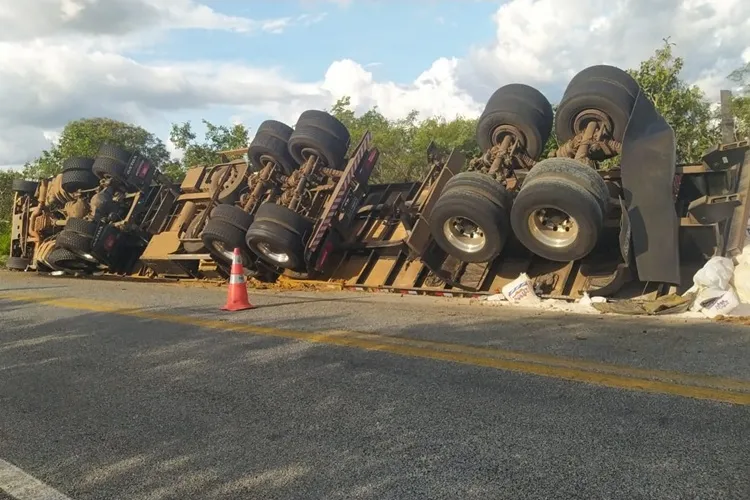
713	209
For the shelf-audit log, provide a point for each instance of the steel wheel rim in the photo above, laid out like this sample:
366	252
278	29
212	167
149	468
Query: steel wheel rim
220	247
273	254
464	234
553	227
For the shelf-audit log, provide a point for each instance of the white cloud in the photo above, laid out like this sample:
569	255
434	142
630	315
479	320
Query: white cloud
68	60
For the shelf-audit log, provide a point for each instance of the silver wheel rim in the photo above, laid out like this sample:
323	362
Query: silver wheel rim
464	234
553	227
272	253
220	247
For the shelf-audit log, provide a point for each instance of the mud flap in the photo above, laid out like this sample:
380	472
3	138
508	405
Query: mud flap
648	170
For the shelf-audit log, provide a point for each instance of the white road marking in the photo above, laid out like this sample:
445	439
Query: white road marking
21	486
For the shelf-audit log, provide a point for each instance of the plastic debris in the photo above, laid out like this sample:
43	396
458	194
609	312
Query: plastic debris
521	291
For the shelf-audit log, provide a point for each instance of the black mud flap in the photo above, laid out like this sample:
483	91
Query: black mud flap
648	170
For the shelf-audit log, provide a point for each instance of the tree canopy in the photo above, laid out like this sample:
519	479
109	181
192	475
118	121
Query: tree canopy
217	138
683	106
741	102
83	138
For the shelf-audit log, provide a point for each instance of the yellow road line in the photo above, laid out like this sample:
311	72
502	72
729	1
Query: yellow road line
652	381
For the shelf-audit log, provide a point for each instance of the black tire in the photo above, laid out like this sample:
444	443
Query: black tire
480	182
270	144
275	128
221	238
526	93
76	180
276	244
309	140
233	215
489	217
81	226
78	163
190	232
76	243
114	153
609	98
108	167
522	107
17	263
585	176
60	258
564	195
285	217
608	73
326	121
24	187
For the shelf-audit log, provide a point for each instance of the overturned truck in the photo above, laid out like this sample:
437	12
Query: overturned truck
98	214
607	208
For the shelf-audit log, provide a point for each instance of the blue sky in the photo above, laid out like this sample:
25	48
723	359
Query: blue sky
394	47
402	43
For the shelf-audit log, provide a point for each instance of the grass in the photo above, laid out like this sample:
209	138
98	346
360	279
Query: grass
4	244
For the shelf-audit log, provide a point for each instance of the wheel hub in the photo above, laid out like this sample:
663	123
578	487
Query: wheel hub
464	234
272	253
308	152
553	227
587	116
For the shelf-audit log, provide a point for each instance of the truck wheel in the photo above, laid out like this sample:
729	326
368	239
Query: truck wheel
278	236
608	73
585	176
24	187
81	226
557	219
62	259
76	180
229	192
78	163
107	167
76	243
221	238
326	121
519	106
233	215
270	144
482	182
322	135
192	231
604	101
468	225
18	263
114	153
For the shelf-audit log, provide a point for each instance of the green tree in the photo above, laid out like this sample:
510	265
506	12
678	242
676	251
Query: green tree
6	199
741	102
83	138
683	106
403	143
217	138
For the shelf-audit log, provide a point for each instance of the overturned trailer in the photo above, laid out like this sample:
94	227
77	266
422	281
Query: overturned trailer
97	215
569	223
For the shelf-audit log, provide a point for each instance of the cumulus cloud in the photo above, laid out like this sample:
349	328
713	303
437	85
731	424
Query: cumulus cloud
63	59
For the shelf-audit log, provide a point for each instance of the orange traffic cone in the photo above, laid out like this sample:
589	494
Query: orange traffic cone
237	293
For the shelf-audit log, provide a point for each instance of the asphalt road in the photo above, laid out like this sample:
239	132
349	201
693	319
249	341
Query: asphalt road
146	391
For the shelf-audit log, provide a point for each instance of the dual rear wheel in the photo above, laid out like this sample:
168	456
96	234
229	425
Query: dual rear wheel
275	233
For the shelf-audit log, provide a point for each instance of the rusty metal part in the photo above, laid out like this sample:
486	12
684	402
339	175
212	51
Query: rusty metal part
307	172
259	184
78	208
594	141
186	214
43	187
